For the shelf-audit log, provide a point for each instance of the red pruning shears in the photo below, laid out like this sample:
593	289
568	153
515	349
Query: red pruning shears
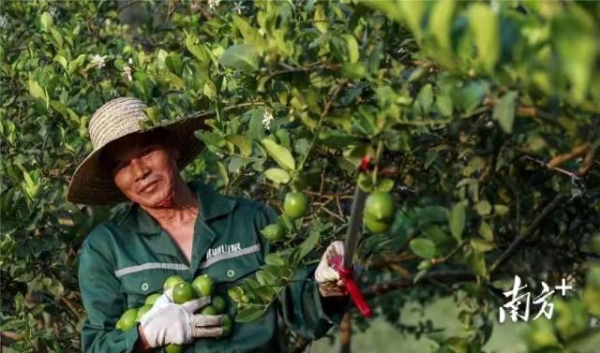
344	264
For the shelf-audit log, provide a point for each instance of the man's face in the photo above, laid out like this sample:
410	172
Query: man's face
144	169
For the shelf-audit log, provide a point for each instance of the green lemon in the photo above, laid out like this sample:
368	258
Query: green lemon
295	204
127	320
202	286
208	310
380	206
376	226
273	232
182	292
219	304
141	311
151	299
173	348
172	281
227	326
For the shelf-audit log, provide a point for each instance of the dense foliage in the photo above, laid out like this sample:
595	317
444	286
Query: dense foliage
482	120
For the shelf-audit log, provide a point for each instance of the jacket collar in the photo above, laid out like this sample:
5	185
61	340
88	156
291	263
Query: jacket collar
212	205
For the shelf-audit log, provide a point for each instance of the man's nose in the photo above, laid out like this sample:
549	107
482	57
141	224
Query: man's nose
140	169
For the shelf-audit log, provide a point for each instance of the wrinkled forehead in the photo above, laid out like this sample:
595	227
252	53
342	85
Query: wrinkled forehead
130	145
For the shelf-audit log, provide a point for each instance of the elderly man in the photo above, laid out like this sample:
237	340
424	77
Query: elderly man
168	228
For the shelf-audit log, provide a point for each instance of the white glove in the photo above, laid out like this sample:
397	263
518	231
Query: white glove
169	323
328	279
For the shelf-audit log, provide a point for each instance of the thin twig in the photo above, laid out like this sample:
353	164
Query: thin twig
318	128
545	165
558	199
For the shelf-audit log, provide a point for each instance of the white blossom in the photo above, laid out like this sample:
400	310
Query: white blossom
127	73
238	7
99	60
213	4
3	22
267	118
130	61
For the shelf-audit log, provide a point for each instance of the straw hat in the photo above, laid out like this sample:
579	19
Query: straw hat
92	184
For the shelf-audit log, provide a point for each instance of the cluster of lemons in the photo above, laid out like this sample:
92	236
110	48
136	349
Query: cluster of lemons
378	214
202	286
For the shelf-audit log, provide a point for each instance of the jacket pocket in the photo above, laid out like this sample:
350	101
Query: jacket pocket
137	286
231	268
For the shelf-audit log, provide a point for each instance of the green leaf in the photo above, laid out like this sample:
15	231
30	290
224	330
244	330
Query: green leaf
352	47
385	185
242	142
504	111
320	19
457	220
46	21
197	50
250	34
280	154
308	244
483	207
249	313
388	7
37	91
441	22
57	36
481	245
277	175
486	231
243	57
484	25
274	259
432	214
424	248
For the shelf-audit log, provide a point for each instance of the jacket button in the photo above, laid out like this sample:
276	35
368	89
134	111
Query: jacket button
230	273
145	286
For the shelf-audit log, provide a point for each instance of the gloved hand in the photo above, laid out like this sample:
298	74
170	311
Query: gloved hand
328	279
169	323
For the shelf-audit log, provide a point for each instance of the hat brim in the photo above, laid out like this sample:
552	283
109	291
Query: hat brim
92	184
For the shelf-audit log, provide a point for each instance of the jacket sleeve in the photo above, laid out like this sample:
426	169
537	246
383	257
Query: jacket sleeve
300	303
103	302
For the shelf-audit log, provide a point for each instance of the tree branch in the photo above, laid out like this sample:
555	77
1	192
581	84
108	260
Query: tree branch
450	276
558	199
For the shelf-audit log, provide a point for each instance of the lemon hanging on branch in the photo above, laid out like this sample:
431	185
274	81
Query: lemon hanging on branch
273	232
295	205
379	212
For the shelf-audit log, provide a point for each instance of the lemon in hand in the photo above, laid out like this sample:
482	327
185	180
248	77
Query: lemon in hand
202	286
182	292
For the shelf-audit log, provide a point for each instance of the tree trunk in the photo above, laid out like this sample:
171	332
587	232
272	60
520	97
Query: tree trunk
346	333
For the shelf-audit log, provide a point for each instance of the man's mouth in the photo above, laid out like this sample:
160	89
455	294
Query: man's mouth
149	187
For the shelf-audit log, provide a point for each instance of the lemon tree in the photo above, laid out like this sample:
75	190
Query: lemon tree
479	119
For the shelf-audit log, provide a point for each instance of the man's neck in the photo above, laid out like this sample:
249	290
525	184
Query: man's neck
185	207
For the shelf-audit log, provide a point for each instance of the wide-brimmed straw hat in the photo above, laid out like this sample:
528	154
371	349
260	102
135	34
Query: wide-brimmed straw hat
91	183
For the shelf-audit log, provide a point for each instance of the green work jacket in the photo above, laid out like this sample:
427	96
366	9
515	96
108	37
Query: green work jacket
129	257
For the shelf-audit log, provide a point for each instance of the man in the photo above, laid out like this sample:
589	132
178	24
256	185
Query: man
171	227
